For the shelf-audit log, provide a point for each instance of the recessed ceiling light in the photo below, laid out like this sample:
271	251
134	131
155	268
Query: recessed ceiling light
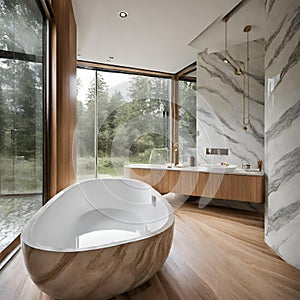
123	14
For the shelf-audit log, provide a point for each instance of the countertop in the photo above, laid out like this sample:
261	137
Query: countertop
203	169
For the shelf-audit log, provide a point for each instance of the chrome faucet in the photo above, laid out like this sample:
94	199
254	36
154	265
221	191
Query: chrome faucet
245	165
153	200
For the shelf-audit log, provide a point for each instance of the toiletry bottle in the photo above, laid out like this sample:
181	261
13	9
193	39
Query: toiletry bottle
192	161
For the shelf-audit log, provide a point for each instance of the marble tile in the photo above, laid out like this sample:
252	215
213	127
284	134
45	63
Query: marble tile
220	106
220	111
282	123
97	274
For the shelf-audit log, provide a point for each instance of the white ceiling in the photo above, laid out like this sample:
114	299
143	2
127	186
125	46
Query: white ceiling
160	35
251	12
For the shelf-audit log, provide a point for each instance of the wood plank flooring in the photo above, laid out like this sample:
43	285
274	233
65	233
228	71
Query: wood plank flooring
217	253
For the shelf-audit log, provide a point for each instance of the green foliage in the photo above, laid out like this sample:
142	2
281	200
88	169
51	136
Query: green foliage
187	112
132	125
28	177
21	26
21	97
130	128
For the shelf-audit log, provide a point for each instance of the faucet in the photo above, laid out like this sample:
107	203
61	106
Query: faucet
245	165
176	147
153	200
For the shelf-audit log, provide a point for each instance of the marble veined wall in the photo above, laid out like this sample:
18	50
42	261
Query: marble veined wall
282	128
220	106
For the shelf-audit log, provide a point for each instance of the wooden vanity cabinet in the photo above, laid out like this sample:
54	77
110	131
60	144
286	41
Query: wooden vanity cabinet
248	188
158	179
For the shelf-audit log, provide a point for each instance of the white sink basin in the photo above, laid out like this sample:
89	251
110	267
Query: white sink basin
218	168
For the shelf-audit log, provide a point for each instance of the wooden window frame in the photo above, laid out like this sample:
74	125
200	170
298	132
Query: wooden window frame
174	106
47	13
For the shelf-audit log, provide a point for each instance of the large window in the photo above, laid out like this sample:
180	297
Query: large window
21	115
121	118
187	121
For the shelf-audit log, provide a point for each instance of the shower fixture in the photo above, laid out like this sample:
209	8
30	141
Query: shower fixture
240	68
228	59
246	112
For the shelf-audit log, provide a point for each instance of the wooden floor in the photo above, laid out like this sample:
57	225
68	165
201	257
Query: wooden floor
217	253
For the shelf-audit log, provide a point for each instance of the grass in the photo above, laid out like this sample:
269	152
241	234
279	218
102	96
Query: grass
24	177
106	165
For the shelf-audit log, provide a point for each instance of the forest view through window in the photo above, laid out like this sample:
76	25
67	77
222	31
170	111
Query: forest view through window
187	121
21	115
121	118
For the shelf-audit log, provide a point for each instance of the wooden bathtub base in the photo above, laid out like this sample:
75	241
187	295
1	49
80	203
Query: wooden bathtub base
97	274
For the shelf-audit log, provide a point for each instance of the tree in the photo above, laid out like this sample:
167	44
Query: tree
187	118
21	89
2	121
21	27
28	106
134	126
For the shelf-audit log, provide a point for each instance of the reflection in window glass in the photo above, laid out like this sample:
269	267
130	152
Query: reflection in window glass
21	115
86	103
187	121
21	27
132	118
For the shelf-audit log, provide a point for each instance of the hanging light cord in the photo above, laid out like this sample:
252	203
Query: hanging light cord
225	58
246	108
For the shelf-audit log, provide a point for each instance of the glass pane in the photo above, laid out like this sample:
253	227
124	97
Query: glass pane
21	27
187	122
86	101
21	130
15	211
21	116
132	119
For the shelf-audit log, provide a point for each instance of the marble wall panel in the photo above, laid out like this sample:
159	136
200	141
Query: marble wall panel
220	111
220	106
282	124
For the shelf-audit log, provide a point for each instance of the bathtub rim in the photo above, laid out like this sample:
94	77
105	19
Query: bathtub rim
25	233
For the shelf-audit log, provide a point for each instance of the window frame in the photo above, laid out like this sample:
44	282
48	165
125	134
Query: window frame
47	13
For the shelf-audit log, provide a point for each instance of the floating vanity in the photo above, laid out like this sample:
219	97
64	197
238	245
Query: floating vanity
238	184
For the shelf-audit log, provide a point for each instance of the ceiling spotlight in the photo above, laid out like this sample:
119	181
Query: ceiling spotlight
225	60
123	14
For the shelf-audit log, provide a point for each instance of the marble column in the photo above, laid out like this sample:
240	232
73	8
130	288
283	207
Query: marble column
282	124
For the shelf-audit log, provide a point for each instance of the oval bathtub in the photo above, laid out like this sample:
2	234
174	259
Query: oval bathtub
97	239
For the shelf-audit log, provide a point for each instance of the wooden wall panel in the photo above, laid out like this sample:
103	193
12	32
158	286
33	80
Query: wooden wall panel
63	96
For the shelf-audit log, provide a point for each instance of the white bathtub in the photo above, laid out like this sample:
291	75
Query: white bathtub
98	238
